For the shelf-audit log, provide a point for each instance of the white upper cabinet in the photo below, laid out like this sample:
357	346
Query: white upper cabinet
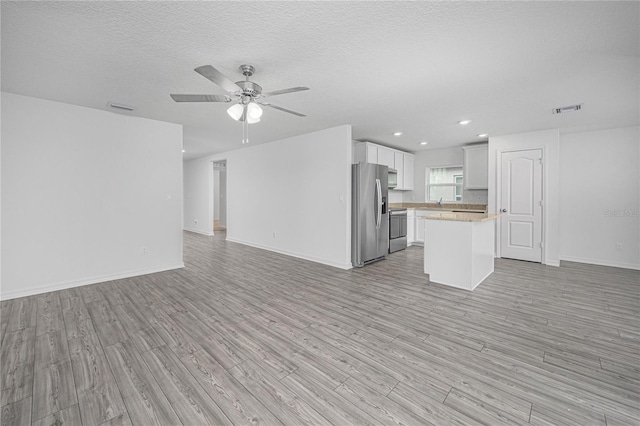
372	154
398	164
407	171
385	157
367	152
476	167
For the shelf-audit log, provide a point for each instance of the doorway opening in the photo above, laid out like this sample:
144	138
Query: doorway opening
220	196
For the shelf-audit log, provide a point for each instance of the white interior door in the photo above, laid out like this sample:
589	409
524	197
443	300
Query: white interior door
521	199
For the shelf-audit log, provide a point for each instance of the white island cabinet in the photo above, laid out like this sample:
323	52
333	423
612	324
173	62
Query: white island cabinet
459	248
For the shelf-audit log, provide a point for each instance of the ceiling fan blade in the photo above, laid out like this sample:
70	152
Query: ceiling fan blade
218	78
283	91
283	109
200	98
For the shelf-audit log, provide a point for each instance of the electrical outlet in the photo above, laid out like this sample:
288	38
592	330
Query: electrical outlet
619	246
274	234
195	221
143	250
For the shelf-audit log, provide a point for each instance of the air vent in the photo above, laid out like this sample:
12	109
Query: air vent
121	106
569	108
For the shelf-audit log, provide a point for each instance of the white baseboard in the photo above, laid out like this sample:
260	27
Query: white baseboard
601	262
85	281
297	255
197	231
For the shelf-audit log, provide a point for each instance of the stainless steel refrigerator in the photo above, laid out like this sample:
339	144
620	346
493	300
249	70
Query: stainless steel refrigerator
370	218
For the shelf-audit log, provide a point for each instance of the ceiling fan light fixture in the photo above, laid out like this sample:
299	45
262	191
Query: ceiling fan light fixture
252	120
236	111
253	111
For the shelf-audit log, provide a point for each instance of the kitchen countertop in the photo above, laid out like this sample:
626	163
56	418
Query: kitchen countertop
467	208
462	217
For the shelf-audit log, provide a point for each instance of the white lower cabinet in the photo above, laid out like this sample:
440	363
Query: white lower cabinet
411	226
419	224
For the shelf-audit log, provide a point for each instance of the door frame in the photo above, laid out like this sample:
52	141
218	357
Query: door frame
498	199
212	200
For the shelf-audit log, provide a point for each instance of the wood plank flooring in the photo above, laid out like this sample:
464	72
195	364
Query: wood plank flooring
245	336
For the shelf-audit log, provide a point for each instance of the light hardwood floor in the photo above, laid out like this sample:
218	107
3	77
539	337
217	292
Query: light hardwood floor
245	336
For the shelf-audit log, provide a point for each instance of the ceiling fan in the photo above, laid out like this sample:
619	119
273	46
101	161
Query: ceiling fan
247	94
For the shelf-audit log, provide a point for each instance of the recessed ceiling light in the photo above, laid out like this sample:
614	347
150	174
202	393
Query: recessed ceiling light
483	135
464	122
397	133
424	143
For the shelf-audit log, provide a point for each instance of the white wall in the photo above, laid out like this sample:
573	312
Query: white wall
439	157
549	142
299	188
600	197
395	196
223	198
83	191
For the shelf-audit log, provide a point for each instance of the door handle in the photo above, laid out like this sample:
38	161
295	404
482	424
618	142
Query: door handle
503	210
379	191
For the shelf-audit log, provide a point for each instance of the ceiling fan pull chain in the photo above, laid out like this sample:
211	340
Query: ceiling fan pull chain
246	125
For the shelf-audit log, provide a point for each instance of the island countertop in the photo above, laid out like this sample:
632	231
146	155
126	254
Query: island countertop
447	207
462	217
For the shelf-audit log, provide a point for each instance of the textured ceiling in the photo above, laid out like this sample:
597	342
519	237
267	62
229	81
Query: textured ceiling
418	67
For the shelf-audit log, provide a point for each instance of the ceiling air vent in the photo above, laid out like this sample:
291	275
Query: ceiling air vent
121	106
569	108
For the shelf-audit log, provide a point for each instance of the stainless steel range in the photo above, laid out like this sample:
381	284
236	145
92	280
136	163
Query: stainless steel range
397	229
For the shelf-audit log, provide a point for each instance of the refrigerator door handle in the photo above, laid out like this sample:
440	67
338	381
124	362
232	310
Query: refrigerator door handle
379	192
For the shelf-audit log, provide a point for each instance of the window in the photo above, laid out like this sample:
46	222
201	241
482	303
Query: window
458	180
444	183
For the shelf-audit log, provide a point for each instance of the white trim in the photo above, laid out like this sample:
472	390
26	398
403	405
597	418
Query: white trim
299	256
208	234
86	281
461	287
601	262
544	262
212	176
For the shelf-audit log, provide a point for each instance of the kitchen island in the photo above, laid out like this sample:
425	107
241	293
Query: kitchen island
459	248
